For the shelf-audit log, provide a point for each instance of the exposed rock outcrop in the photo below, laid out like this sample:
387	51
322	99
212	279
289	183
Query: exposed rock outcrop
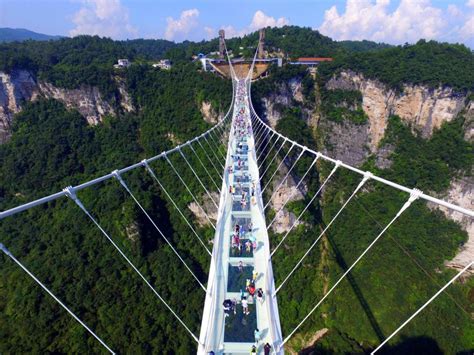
469	124
87	100
286	192
20	86
283	97
208	207
209	114
346	141
461	192
126	102
421	106
15	88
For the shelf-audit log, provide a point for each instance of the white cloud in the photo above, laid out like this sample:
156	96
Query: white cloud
259	20
467	30
454	11
366	19
470	3
179	29
107	18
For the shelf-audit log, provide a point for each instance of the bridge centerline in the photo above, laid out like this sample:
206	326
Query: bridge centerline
240	204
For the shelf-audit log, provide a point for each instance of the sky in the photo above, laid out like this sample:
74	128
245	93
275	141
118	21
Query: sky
389	21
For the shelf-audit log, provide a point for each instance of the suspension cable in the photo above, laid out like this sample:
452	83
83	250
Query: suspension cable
284	179
198	179
70	192
268	153
274	157
266	144
213	152
205	169
307	206
413	196
10	255
261	137
291	195
210	160
261	132
189	190
277	169
424	306
216	144
362	182
153	175
125	186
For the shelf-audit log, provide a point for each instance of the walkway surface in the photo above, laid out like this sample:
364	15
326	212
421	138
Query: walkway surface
240	258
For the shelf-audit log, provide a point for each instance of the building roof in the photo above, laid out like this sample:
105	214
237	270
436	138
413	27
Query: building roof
315	59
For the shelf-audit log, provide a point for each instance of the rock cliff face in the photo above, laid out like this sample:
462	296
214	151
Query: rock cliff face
347	142
207	206
283	97
461	192
87	100
209	114
421	106
281	194
14	89
21	86
424	108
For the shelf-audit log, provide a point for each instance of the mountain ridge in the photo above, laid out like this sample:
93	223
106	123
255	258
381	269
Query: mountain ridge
8	34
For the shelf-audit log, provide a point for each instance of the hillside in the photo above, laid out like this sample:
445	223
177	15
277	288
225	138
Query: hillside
350	109
21	34
404	112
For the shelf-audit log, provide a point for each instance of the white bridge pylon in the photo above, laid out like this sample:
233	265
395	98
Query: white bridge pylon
238	262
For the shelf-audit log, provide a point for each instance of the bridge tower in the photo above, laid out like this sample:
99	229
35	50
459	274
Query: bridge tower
221	43
261	42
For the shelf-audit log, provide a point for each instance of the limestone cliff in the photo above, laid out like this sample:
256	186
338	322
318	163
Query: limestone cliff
286	192
460	192
14	88
286	94
20	86
423	107
209	113
346	141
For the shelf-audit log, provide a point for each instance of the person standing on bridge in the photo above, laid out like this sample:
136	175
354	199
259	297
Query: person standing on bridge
260	295
245	306
267	348
251	290
256	334
248	246
253	351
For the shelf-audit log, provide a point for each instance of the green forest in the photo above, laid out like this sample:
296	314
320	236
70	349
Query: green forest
52	147
376	297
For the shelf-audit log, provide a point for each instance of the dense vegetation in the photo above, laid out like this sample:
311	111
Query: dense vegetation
430	63
363	46
429	164
82	60
51	148
376	297
340	105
